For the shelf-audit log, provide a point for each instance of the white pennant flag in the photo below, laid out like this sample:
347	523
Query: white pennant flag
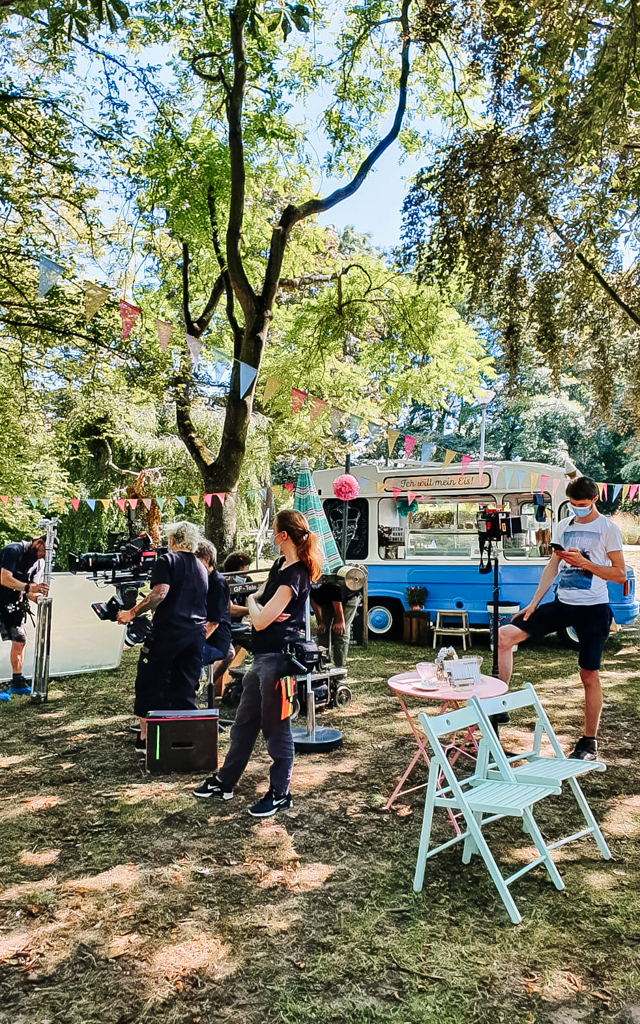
195	347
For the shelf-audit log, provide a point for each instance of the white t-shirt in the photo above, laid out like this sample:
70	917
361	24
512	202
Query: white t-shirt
595	541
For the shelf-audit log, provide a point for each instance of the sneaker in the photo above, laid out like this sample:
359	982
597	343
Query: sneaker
586	749
270	804
20	691
135	728
213	787
4	695
140	746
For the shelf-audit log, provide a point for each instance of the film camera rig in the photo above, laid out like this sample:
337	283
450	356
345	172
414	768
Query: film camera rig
128	568
495	525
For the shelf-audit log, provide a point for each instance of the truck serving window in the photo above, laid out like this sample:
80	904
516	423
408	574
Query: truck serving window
430	528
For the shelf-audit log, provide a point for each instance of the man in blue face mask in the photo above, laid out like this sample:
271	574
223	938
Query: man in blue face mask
587	554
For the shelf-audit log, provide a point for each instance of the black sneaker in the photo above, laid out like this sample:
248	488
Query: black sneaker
140	746
270	804
586	749
213	787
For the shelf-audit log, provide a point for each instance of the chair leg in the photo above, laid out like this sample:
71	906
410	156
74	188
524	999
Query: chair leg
425	831
470	847
535	834
587	814
494	870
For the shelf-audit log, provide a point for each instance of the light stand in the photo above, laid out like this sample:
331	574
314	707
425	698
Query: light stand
314	739
40	681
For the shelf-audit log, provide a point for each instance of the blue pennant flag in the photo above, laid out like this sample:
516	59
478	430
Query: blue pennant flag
520	479
508	473
91	502
181	500
426	452
49	274
247	376
616	491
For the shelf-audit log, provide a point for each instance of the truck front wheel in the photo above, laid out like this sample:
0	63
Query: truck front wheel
384	618
568	636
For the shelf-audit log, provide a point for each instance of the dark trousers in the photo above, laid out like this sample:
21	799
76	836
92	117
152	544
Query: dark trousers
339	643
168	674
261	708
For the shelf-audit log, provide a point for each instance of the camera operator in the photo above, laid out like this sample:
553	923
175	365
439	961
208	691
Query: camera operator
171	659
21	564
277	615
238	562
217	645
335	609
587	553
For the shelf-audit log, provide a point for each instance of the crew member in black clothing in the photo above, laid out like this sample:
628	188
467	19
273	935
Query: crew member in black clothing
238	562
21	564
335	609
171	659
217	645
277	614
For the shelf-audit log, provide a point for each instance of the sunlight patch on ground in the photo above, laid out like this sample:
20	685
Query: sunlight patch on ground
309	775
8	762
32	859
25	889
150	791
623	816
121	877
203	953
601	880
42	803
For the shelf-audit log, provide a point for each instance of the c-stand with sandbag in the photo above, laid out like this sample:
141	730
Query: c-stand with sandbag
44	607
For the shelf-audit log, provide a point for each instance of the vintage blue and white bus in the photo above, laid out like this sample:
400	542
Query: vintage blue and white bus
416	526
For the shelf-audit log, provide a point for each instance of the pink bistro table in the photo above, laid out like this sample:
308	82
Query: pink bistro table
407	684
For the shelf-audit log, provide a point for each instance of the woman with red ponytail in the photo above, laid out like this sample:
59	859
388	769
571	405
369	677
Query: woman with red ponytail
277	615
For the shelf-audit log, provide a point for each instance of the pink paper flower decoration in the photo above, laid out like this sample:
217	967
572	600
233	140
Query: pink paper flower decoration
346	487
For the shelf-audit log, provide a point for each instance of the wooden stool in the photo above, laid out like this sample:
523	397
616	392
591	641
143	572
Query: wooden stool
416	627
452	623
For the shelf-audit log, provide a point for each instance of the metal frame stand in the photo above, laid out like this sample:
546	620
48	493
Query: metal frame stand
314	739
40	681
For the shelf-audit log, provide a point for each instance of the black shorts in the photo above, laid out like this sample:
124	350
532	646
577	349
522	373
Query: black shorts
591	622
16	634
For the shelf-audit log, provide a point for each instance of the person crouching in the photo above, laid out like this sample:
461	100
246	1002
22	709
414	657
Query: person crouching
217	648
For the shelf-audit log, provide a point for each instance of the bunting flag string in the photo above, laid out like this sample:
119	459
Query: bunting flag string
409	445
335	418
272	386
449	456
48	274
297	400
128	314
317	407
94	298
354	422
247	376
164	332
392	437
195	348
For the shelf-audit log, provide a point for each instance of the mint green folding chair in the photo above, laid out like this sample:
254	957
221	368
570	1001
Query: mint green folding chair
479	801
538	768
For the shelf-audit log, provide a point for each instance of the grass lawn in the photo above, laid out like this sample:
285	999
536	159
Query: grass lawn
123	899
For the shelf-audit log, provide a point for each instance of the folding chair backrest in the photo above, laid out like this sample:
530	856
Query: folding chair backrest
437	726
525	698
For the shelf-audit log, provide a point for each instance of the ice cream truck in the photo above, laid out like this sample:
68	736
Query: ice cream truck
416	525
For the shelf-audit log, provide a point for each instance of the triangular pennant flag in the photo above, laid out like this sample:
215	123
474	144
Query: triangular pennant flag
195	348
554	486
354	422
61	503
449	456
105	502
207	499
4	498
181	499
335	418
46	502
392	437
263	493
508	473
426	452
128	314
221	495
34	502
247	376
317	407
271	386
121	503
220	357
160	503
289	486
409	444
495	473
373	428
91	502
132	502
94	298
465	460
251	493
49	272
544	480
604	492
616	491
164	333
276	490
195	499
363	481
396	491
297	400
379	486
75	504
411	497
632	491
520	479
534	480
625	491
146	502
17	500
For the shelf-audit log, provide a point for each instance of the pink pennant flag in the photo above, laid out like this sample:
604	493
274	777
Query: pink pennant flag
4	498
317	408
632	491
604	492
289	487
128	314
75	504
221	495
544	480
195	347
555	483
146	502
164	333
396	491
411	497
121	502
207	499
409	444
297	400
17	500
495	473
466	459
132	502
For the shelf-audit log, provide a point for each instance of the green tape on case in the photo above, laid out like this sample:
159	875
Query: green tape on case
158	741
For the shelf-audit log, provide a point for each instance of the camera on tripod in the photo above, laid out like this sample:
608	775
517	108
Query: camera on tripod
495	525
128	569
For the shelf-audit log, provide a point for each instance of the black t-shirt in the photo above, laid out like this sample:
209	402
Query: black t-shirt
325	594
183	611
22	561
274	638
218	611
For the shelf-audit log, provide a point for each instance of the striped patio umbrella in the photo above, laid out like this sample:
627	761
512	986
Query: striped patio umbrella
307	501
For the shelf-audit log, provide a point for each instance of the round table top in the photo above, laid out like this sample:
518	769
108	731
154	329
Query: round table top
408	683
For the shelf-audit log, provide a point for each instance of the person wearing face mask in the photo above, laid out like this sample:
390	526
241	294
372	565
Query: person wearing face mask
587	554
277	614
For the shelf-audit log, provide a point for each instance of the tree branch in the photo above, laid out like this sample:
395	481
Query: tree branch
206	316
224	273
195	445
189	324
